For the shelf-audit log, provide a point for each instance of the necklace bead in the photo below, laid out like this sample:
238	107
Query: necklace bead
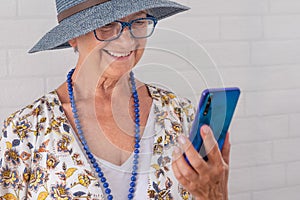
90	156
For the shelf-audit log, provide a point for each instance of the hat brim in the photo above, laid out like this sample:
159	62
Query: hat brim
97	16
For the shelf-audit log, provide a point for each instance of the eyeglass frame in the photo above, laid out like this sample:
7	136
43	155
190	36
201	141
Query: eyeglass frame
129	24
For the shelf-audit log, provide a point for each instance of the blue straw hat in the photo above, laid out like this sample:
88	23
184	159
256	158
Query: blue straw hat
78	17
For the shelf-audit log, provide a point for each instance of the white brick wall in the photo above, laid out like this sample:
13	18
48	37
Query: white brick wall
275	52
231	53
251	129
230	7
294	125
284	7
57	62
205	28
290	193
279	27
21	91
244	196
241	27
3	63
293	175
8	8
36	8
257	178
256	46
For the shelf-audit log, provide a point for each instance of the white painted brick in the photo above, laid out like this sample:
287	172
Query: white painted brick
167	78
228	53
262	78
285	26
36	8
171	55
8	8
247	155
186	82
286	150
290	193
201	58
275	52
5	112
20	92
198	28
54	82
293	175
3	63
43	64
256	178
232	7
32	31
257	129
239	110
273	102
241	28
294	125
285	6
240	180
242	196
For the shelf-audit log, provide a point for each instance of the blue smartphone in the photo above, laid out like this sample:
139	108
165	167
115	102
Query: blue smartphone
216	109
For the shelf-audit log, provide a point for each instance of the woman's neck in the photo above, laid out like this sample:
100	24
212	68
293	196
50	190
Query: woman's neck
107	87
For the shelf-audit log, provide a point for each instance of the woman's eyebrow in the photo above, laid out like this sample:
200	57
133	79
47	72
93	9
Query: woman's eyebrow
140	13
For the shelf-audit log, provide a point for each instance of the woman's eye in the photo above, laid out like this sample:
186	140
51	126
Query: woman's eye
108	25
140	23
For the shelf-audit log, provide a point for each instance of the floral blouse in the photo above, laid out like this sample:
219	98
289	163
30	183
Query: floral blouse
42	158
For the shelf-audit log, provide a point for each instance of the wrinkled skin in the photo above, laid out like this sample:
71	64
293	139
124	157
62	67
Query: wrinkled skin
204	180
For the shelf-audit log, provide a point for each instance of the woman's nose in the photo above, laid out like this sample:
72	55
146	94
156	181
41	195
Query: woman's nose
126	37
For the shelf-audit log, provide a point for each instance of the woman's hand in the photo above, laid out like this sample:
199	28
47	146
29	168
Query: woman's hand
204	180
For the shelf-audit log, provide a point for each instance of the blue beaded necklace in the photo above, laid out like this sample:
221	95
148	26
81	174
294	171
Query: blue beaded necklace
87	149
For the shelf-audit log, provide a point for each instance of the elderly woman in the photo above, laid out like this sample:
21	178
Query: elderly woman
103	134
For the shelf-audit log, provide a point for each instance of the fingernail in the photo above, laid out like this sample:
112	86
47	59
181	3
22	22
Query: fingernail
205	130
181	139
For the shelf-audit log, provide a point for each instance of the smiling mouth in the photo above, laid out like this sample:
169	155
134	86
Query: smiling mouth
117	54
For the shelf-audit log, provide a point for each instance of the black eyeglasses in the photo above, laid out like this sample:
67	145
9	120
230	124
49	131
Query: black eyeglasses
139	28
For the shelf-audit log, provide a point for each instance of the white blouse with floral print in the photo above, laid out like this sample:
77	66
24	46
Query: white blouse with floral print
41	158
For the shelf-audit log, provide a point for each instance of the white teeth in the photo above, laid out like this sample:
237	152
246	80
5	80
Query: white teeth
115	54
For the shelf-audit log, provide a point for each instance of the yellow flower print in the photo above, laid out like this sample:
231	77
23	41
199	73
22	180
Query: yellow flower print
157	149
177	127
8	177
26	174
84	180
60	192
51	161
63	143
9	196
37	178
165	100
12	156
22	129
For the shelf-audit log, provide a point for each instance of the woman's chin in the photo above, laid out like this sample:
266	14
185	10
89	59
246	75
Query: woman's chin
116	70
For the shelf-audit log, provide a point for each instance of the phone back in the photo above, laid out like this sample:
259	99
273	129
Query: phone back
215	109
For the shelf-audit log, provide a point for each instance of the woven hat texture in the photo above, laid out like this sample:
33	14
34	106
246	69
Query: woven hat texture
96	16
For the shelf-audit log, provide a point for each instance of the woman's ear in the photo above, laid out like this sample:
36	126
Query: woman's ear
73	44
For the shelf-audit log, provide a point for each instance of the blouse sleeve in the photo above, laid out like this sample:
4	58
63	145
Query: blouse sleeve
16	150
188	111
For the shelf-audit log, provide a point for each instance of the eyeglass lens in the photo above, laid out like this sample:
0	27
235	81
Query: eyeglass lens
140	28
